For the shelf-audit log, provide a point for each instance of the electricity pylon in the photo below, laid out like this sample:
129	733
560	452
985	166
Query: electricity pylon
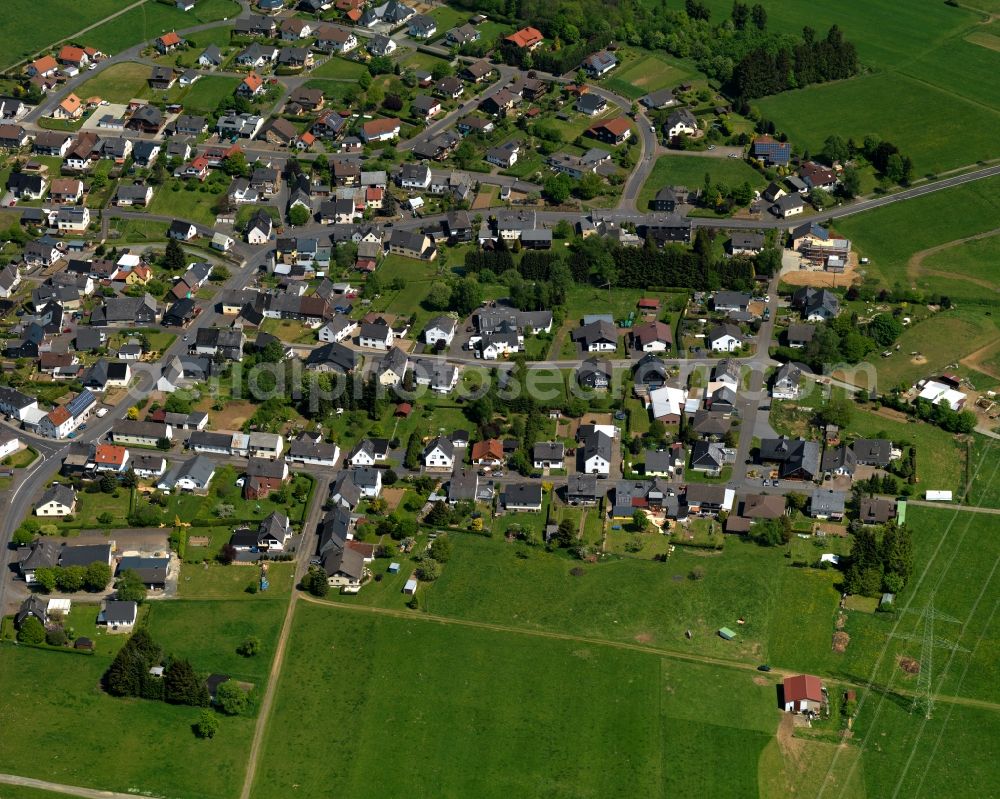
924	699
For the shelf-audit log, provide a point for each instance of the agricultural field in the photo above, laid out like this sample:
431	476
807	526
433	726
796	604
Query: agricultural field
855	108
487	718
690	170
119	83
970	266
892	235
149	20
22	35
20	792
984	488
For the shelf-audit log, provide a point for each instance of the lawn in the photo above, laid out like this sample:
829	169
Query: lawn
119	83
173	200
460	703
690	171
208	632
150	743
857	107
21	35
90	506
213	581
447	18
340	69
207	92
333	90
641	73
138	231
153	18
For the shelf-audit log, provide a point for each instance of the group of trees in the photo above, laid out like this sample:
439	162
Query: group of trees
775	65
884	156
538	281
129	675
558	187
881	560
941	415
70	579
845	340
600	261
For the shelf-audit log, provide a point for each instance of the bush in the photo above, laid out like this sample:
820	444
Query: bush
207	725
55	637
249	648
31	632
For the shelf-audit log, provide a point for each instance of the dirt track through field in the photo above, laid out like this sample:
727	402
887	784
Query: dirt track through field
633	647
915	266
977	360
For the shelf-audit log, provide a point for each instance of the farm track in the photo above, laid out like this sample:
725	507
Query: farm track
915	268
625	645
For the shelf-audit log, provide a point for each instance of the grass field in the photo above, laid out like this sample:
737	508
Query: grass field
151	19
490	698
150	743
119	83
221	627
206	93
857	107
940	458
22	35
942	339
339	69
890	236
641	73
194	205
885	33
487	581
690	170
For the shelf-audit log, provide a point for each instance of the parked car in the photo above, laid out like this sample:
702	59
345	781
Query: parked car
763	667
102	412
